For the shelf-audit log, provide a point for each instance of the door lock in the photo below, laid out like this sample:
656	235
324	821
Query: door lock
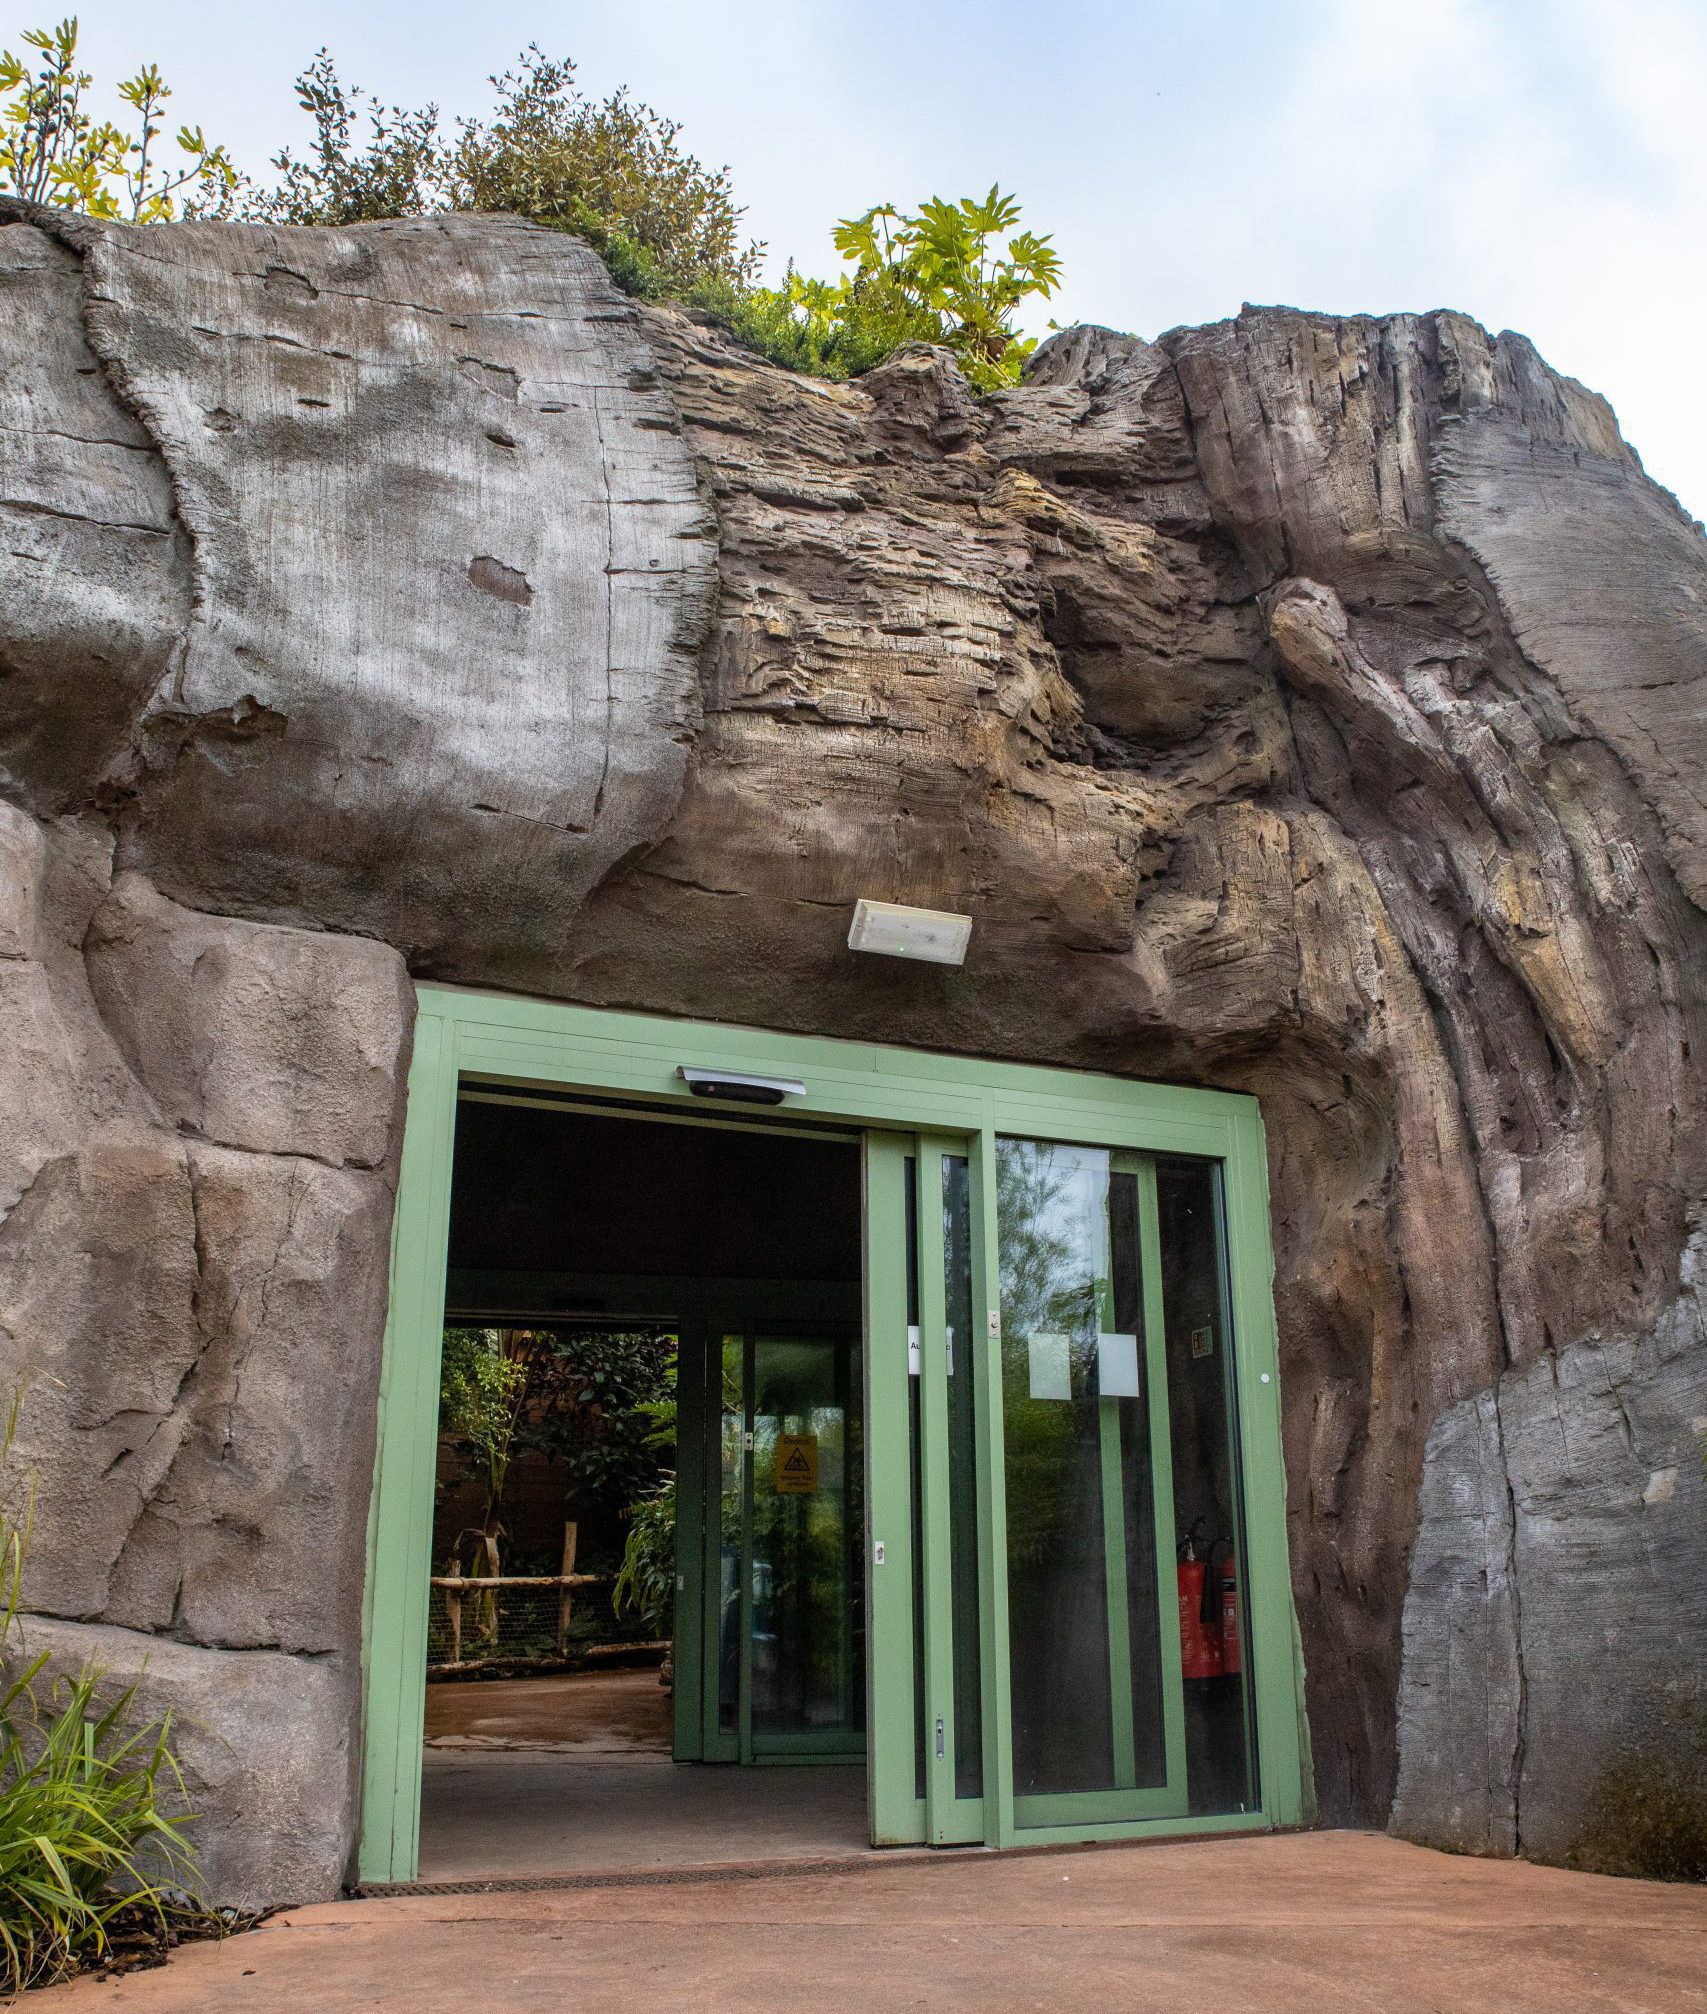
939	1747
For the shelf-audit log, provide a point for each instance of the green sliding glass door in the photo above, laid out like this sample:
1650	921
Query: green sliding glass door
1056	1589
929	1390
787	1536
1023	1538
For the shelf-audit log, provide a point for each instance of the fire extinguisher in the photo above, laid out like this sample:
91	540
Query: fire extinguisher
1199	1639
1226	1578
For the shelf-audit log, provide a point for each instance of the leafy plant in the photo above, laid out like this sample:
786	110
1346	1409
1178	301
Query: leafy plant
602	1402
400	172
53	151
482	1383
612	171
942	276
92	1817
646	1585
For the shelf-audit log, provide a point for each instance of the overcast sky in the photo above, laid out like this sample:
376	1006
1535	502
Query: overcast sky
1539	164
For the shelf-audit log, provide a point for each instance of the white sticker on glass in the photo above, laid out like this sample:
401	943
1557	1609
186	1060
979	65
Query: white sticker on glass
915	1350
1117	1367
1048	1359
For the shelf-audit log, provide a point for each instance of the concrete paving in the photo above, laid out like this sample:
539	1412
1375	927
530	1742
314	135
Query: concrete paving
1322	1923
512	1815
532	1777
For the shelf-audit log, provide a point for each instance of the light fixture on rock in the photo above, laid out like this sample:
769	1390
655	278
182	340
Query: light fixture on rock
895	931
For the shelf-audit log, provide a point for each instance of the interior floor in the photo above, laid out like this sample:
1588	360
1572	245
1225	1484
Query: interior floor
572	1774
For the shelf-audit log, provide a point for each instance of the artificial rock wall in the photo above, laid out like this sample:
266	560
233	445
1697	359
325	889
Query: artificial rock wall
1311	707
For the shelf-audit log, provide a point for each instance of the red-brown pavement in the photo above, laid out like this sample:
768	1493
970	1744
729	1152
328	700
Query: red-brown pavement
1316	1923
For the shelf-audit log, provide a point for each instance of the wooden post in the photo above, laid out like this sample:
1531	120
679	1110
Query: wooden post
453	1609
571	1533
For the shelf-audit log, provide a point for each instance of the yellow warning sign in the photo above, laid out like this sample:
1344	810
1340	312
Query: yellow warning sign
796	1465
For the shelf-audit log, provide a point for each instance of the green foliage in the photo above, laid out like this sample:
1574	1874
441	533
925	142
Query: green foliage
92	1809
398	173
53	151
942	276
614	172
603	1404
480	1394
646	1586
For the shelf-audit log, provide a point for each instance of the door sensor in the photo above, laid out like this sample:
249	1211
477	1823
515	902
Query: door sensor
742	1090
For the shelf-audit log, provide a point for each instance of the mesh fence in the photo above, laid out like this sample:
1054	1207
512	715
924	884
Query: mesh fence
515	1624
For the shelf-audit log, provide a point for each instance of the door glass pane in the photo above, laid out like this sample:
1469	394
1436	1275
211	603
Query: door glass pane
962	1474
1085	1652
733	1421
806	1671
1219	1724
915	1455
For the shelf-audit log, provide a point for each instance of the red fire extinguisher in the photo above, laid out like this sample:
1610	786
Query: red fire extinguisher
1227	1579
1199	1638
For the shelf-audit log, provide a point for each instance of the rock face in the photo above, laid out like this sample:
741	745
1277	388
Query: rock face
1309	707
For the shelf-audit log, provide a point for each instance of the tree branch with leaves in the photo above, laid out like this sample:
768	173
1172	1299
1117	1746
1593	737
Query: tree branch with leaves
54	151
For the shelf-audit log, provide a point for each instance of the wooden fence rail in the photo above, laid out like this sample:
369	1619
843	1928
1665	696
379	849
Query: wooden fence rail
486	1589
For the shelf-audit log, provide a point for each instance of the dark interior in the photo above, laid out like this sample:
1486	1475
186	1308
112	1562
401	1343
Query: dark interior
549	1191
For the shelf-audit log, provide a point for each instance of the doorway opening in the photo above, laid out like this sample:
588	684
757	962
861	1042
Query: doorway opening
646	1626
972	1468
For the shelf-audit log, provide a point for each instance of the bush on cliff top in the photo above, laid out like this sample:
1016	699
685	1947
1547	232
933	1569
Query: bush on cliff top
612	171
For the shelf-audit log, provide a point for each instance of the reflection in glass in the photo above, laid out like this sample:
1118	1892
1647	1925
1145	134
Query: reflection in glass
733	1421
806	1664
1129	1633
1085	1644
962	1474
1219	1725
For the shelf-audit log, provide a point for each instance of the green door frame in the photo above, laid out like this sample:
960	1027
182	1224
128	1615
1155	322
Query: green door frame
464	1035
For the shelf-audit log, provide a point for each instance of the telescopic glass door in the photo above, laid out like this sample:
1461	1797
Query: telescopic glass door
1128	1684
926	1366
791	1613
1057	1604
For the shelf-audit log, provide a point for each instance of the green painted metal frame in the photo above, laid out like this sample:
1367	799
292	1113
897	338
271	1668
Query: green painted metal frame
464	1036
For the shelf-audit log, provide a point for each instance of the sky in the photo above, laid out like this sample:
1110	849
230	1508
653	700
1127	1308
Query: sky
1540	165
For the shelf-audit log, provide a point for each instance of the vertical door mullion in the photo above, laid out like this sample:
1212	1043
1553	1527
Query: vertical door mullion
938	1565
996	1688
1162	1475
890	1699
749	1439
1116	1599
692	1447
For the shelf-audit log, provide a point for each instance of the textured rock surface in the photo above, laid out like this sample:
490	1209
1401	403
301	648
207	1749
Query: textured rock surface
1556	1584
197	1328
266	1743
1313	707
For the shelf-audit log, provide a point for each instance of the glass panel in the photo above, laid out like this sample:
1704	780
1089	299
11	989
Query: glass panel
1220	1733
915	1469
962	1474
1085	1651
806	1679
733	1407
